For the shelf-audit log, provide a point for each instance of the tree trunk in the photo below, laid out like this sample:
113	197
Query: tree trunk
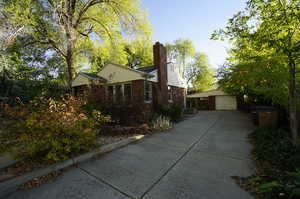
69	60
70	8
293	99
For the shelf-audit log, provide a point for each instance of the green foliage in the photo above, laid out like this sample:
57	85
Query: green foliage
274	146
285	186
132	53
266	41
174	112
278	165
15	91
179	52
47	129
200	74
193	66
69	27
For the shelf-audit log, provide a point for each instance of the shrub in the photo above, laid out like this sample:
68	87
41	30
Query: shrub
26	90
278	165
92	105
273	146
53	130
174	112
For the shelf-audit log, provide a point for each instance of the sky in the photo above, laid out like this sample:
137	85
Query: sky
194	20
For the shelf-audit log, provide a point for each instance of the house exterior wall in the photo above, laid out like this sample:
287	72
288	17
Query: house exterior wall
81	91
137	111
138	91
98	93
116	74
80	80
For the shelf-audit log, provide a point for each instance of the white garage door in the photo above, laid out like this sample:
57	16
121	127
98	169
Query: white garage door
226	103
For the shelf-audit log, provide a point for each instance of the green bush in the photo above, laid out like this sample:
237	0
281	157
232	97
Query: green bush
14	91
53	130
278	162
92	105
274	146
174	112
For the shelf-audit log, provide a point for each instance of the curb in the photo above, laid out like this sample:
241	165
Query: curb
11	185
9	164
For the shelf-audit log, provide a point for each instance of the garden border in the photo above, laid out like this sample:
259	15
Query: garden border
11	185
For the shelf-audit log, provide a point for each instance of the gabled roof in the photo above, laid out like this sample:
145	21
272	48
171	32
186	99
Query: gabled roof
146	74
147	69
93	76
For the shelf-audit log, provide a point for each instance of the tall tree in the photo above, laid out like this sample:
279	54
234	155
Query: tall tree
180	52
199	74
61	24
139	52
272	25
136	52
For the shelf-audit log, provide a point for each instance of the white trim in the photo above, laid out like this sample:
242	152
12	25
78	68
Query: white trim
150	92
123	93
171	89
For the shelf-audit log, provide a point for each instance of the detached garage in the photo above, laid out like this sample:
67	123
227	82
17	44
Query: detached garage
212	100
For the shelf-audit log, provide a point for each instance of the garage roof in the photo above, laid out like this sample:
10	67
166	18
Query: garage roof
215	92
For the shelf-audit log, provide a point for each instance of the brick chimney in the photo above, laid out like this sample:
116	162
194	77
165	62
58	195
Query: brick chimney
160	61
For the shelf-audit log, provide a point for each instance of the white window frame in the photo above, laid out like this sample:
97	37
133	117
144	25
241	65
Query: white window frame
150	92
170	95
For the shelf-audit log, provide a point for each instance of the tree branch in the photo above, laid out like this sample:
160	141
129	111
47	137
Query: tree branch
53	44
85	8
101	24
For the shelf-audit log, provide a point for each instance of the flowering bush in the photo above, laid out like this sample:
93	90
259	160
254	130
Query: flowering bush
53	130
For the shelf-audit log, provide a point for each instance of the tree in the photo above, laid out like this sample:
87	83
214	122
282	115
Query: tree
271	28
199	74
62	25
180	53
139	52
132	53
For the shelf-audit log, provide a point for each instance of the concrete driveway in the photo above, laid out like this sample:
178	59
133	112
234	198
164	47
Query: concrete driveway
195	160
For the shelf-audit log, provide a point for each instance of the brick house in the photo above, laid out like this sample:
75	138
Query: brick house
146	87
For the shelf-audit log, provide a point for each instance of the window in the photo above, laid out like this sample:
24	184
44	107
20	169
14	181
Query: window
119	93
127	92
110	93
148	91
170	94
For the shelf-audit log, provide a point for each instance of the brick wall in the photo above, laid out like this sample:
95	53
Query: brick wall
160	61
138	91
98	93
136	111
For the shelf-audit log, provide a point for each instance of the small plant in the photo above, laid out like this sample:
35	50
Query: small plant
161	123
174	112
